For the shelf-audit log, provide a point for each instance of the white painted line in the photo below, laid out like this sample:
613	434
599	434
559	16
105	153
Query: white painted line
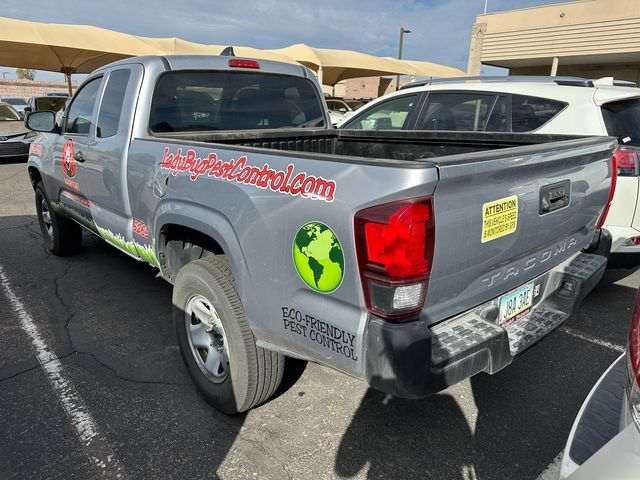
553	469
79	415
595	341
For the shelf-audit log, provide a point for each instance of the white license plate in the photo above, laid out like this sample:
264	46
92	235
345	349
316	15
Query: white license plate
516	302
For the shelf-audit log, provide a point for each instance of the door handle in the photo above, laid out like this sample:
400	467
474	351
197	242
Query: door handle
79	157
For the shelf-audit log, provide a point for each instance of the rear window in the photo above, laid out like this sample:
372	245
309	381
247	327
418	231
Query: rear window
622	120
201	101
530	113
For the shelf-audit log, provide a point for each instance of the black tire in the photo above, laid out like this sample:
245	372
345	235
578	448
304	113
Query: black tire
254	373
62	235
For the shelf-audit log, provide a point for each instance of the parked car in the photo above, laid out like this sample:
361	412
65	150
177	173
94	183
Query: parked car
51	102
15	138
604	442
537	105
18	103
397	260
338	109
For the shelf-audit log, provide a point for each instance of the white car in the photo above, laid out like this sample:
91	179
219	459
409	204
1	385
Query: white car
18	103
604	443
539	105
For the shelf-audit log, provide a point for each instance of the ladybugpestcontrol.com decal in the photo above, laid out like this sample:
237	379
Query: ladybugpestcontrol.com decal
286	181
318	258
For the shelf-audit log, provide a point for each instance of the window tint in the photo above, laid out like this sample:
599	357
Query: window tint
81	110
111	106
200	101
456	111
390	115
622	120
530	113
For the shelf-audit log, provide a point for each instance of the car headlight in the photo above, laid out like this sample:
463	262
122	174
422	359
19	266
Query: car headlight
29	135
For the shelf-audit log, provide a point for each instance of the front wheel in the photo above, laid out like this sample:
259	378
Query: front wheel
216	341
61	235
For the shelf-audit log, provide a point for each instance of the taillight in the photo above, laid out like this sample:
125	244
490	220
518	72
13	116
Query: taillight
235	62
633	241
633	363
612	190
394	244
627	163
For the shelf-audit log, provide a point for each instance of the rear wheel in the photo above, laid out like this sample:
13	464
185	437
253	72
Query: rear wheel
62	235
216	341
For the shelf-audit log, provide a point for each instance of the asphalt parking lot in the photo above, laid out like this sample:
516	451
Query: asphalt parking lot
108	320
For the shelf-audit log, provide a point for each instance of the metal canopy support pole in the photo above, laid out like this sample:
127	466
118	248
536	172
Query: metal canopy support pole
402	32
320	76
554	66
67	75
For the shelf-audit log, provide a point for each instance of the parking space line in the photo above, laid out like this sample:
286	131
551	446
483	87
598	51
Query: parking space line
553	469
83	423
595	341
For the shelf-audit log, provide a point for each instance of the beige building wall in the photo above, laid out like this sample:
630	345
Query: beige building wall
29	88
589	38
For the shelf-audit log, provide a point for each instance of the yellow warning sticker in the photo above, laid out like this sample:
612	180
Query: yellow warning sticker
499	218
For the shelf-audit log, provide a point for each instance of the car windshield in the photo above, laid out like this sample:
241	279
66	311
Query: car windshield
14	101
8	114
201	101
622	120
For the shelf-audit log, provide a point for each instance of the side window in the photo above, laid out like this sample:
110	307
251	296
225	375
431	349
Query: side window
81	110
390	115
112	101
530	113
466	112
498	118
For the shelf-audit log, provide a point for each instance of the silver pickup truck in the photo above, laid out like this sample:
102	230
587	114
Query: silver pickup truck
411	260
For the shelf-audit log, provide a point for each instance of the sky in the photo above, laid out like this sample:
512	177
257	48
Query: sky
441	29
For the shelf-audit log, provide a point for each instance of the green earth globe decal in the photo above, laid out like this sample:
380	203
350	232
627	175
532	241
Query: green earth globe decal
317	255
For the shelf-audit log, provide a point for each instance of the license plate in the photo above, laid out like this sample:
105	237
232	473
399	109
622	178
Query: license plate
516	302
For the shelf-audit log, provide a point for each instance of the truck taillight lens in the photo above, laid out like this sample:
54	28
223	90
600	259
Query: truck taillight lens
612	190
633	364
394	244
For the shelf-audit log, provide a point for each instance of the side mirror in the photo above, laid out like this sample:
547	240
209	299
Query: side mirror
342	110
42	121
27	109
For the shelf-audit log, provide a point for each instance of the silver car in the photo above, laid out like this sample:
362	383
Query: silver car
15	138
604	442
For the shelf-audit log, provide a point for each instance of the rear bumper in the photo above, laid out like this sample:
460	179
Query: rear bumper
412	360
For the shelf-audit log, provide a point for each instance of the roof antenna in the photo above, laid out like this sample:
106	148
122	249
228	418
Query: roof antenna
228	52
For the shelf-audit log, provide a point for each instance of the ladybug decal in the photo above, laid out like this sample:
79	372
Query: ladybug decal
68	162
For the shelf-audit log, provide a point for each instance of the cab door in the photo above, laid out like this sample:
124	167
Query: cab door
106	162
71	152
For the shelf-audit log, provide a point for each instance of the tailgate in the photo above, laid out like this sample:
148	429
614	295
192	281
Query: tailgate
504	217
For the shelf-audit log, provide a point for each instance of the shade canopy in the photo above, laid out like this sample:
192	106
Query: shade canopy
333	66
428	69
65	48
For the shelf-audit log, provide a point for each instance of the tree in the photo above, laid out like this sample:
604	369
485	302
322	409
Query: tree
25	74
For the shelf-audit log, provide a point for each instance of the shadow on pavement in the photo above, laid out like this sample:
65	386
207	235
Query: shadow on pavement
510	425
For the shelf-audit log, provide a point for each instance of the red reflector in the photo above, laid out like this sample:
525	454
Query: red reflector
394	244
234	62
612	190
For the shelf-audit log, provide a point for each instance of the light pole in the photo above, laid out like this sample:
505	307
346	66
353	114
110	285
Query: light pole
402	32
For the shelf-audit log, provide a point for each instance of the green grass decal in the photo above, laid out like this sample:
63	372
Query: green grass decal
134	248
